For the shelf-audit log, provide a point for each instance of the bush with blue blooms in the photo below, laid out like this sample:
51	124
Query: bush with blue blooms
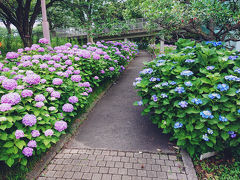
196	97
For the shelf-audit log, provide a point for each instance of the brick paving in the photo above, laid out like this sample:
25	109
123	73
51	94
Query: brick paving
97	164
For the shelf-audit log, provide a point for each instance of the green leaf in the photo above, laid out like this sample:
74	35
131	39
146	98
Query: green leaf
20	144
10	162
210	144
36	112
199	125
231	92
225	135
221	126
231	117
8	144
192	111
24	162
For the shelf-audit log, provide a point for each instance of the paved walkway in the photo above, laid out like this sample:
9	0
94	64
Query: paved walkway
116	142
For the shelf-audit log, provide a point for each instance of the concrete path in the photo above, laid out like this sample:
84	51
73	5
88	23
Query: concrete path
116	142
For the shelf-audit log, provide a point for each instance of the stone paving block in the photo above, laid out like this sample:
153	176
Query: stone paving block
175	169
97	177
87	176
156	167
67	156
146	178
124	159
91	157
106	177
122	171
178	163
100	157
142	160
90	151
107	158
113	170
151	174
103	170
121	154
68	167
132	172
68	175
146	155
84	162
128	165
113	153
129	154
50	167
105	153
116	177
162	175
124	177
67	161
59	155
116	158
85	169
41	178
137	155
142	173
155	156
136	178
133	160
50	178
77	175
110	164
58	167
119	164
166	168
82	151
169	163
58	161
160	162
97	152
94	169
76	162
164	157
66	151
75	156
138	166
50	173
171	175
59	174
101	163
74	151
83	156
93	163
147	167
172	157
76	168
151	161
181	176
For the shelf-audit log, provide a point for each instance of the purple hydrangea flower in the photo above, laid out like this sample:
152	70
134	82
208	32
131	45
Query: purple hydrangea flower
52	108
57	81
39	98
35	133
85	94
68	62
27	93
111	68
48	132
183	104
27	151
76	72
43	81
9	84
32	79
76	78
32	144
210	67
11	98
56	94
39	104
67	107
50	89
179	90
60	126
102	71
73	99
5	107
154	98
96	77
29	120
19	134
43	41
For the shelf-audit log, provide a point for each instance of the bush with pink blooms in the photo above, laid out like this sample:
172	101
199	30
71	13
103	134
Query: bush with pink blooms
42	89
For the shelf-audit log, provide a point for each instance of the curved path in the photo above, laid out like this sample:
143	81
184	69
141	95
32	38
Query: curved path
116	142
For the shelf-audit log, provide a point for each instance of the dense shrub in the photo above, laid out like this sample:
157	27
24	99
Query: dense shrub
42	89
194	94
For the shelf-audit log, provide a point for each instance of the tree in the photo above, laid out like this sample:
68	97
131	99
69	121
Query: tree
22	14
6	22
198	19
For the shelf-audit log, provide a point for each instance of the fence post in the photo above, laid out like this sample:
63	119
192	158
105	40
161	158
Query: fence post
162	44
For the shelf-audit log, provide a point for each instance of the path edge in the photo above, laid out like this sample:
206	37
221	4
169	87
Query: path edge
42	163
188	164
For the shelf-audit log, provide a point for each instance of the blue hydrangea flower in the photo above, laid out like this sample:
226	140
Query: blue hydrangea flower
189	60
138	80
172	83
159	64
161	61
161	55
174	62
178	125
239	111
152	79
140	103
164	84
163	95
146	71
222	87
183	104
232	57
232	133
188	47
206	114
214	95
205	137
179	90
157	86
210	131
210	67
231	78
186	73
188	83
196	101
237	70
238	91
154	98
223	119
219	43
191	54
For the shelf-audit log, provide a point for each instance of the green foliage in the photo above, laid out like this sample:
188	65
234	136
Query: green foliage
178	90
106	62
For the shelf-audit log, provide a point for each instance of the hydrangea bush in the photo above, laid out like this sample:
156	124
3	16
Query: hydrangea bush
43	88
194	94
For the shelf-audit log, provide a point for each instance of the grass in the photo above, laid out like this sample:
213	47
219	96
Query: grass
16	173
224	166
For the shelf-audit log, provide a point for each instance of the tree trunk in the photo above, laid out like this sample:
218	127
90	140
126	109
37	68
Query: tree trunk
7	24
26	37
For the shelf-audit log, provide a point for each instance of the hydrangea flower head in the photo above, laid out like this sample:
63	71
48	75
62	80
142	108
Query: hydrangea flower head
205	137
172	83
111	68
140	103
231	78
183	104
35	133
27	93
32	144
214	96
43	41
11	98
179	90
39	98
76	78
73	99
60	125
188	83
196	101
164	84
32	79
56	94
189	60
206	114
178	125
9	84
222	87
154	97
163	95
27	151
57	81
186	73
223	119
5	107
48	132
39	104
67	107
29	120
210	131
19	134
146	71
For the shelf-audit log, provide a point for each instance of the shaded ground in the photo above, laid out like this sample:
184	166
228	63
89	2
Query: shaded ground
116	124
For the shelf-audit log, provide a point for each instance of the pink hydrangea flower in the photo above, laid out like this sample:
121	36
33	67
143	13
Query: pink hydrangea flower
43	81
57	81
32	79
102	71
2	78
111	68
67	107
32	144
48	132
76	78
12	55
68	62
27	93
49	89
29	120
35	133
27	151
56	94
52	108
73	99
9	84
96	77
20	87
43	41
60	126
11	98
5	107
19	134
39	98
39	104
85	94
76	72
